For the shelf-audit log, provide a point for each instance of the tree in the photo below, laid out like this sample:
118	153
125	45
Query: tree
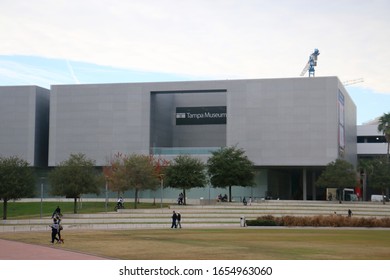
379	175
16	180
384	127
338	174
160	164
74	177
114	173
133	172
365	167
229	166
186	173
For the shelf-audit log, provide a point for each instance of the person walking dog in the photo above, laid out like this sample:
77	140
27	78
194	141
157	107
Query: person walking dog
54	230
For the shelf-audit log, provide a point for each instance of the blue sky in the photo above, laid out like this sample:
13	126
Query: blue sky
30	70
48	42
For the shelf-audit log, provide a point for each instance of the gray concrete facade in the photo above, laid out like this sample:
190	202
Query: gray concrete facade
278	122
290	122
98	120
24	123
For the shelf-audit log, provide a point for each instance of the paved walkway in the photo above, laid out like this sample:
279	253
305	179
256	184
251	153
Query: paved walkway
12	250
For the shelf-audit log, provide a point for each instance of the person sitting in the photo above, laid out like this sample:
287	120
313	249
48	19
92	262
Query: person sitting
120	203
180	200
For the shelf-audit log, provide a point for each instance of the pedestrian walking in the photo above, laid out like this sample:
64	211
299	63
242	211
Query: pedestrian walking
349	213
57	212
174	220
54	231
60	228
179	219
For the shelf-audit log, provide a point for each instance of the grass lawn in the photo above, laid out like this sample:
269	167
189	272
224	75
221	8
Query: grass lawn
223	244
30	210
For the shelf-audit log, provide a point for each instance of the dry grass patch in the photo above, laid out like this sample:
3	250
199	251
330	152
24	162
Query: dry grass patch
223	244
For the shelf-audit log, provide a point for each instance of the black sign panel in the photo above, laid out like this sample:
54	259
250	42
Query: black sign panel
200	115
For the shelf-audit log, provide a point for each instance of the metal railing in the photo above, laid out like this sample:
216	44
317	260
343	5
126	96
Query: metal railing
183	150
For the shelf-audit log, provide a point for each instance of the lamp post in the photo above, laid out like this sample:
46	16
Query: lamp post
106	201
42	178
161	189
364	196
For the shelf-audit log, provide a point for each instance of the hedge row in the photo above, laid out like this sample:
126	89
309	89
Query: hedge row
319	221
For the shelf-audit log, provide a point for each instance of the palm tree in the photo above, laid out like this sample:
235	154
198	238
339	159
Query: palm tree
384	127
365	167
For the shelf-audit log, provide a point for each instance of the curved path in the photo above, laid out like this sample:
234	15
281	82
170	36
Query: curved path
12	250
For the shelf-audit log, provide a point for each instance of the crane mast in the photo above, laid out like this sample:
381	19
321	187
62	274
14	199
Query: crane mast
309	67
311	63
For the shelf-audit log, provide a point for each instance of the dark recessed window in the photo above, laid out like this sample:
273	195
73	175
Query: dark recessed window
371	139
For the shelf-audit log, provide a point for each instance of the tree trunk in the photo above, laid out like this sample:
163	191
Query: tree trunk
230	193
75	206
184	197
136	198
5	202
383	196
388	159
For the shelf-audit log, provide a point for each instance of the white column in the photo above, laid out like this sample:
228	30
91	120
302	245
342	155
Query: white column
313	180
304	182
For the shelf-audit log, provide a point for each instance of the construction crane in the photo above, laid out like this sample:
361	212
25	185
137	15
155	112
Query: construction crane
351	82
311	63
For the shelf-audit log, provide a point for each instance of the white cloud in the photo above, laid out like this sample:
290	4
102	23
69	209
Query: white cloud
216	39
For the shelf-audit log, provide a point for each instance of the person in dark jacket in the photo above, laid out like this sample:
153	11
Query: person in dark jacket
174	220
179	219
57	212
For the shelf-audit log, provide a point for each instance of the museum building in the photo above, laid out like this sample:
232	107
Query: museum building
290	128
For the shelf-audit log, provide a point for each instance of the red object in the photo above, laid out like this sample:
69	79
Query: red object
358	192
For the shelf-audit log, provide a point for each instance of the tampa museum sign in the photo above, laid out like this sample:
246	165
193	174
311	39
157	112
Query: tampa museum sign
201	115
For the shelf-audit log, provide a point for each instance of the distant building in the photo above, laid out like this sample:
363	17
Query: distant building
370	142
24	123
290	128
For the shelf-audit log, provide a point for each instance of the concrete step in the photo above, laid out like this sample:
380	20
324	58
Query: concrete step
26	228
221	215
